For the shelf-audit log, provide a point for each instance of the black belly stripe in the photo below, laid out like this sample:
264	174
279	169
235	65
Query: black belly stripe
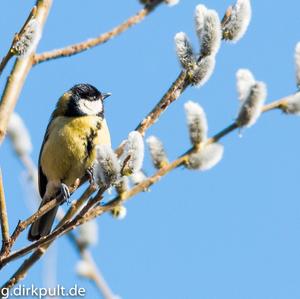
90	139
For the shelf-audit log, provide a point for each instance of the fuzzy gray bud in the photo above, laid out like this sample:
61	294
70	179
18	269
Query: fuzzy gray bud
237	20
244	81
292	104
122	185
168	2
157	151
138	177
172	2
251	108
197	122
200	14
133	155
208	29
107	167
84	269
119	212
211	34
28	39
209	156
203	71
297	63
184	51
88	233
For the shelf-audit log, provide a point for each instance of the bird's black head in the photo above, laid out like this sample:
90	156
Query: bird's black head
85	99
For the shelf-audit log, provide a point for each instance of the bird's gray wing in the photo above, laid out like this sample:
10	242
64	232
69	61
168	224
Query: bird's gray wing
42	179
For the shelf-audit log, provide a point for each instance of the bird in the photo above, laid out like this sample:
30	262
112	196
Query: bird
68	152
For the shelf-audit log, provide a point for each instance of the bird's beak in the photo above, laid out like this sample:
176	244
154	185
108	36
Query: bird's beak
105	95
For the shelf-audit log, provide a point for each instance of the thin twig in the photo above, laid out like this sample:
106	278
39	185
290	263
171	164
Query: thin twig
64	225
10	52
19	73
21	272
169	97
12	91
45	208
97	277
22	225
5	60
90	43
268	107
172	94
4	220
99	210
43	244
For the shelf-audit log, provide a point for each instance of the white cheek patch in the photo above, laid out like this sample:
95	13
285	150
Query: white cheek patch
90	107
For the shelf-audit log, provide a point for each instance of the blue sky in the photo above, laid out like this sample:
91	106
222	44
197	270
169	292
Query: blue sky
229	233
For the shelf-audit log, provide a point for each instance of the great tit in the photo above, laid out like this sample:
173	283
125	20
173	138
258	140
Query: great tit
68	152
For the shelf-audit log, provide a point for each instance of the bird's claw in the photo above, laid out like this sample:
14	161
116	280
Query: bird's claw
65	192
90	173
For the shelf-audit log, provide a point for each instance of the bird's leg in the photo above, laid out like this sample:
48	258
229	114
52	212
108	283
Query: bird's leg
65	191
90	174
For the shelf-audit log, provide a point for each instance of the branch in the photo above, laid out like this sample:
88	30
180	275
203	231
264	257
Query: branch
73	218
98	210
11	52
90	43
28	263
4	220
21	272
65	225
44	209
22	225
5	60
88	212
172	94
19	73
97	276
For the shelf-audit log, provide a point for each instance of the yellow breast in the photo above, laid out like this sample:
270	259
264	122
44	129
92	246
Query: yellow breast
70	148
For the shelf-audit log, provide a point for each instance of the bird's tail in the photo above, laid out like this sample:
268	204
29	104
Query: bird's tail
43	225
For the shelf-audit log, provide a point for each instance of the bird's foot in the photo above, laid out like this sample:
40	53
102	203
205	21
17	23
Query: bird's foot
65	192
90	174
